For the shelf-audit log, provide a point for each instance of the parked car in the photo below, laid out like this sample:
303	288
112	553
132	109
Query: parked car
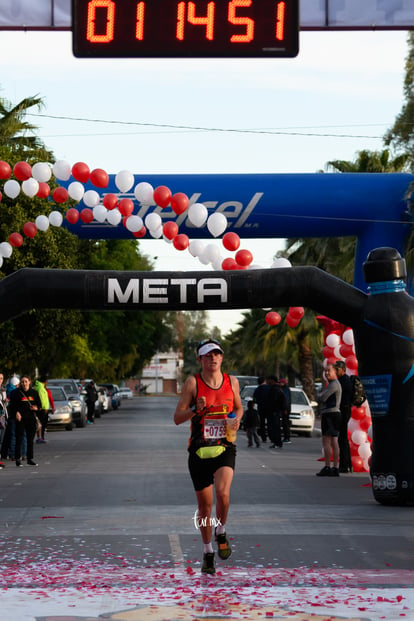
246	395
246	380
63	412
70	386
113	393
302	415
125	392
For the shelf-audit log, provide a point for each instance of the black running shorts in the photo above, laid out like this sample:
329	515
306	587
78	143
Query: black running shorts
202	470
331	423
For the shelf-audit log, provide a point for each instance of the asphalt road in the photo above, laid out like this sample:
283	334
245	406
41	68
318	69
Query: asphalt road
116	497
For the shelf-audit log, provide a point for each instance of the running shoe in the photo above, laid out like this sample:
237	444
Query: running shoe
208	563
224	549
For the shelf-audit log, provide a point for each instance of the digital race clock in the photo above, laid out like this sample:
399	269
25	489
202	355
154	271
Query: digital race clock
175	28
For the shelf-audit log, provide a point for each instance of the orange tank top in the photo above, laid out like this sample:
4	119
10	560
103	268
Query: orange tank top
209	429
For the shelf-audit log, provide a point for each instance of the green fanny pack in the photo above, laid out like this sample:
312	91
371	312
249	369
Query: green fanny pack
207	452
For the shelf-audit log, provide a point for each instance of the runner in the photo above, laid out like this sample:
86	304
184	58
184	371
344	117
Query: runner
206	399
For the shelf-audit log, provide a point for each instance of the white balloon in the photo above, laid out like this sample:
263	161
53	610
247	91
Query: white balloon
91	198
337	353
204	258
42	172
369	432
1	260
124	180
211	252
76	190
332	340
197	214
99	213
153	221
348	337
11	188
217	223
281	262
144	193
196	247
30	187
353	425
134	224
42	223
62	170
358	436
156	233
55	218
216	265
364	450
114	217
6	250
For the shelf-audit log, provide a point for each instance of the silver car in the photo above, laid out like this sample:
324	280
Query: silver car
62	414
70	386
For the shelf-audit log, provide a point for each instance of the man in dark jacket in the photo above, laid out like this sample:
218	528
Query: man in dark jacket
261	397
277	405
91	397
345	463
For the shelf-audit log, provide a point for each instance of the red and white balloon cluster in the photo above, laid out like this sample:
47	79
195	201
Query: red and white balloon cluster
339	345
33	182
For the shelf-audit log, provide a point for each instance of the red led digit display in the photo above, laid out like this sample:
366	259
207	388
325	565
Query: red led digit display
181	28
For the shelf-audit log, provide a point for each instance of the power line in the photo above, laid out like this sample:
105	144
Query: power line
275	132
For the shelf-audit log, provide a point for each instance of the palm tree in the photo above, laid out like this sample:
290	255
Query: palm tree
16	134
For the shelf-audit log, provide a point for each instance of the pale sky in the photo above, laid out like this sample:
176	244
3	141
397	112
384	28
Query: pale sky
338	96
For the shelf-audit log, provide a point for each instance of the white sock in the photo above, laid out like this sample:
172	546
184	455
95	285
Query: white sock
220	529
208	547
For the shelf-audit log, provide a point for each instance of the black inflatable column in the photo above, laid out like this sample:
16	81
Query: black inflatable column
385	347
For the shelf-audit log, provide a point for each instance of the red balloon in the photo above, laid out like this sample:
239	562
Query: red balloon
99	178
229	264
1	196
140	233
296	312
357	464
29	229
86	215
110	201
162	196
331	359
351	362
81	172
15	240
273	318
231	241
22	171
181	242
60	195
179	202
327	352
5	170
292	322
44	190
346	350
170	230
365	423
358	413
126	207
353	448
72	215
244	257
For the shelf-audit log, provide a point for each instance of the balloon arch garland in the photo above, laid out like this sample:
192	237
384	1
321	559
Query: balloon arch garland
33	181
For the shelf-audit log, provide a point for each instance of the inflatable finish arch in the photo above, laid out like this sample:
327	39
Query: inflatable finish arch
382	320
370	206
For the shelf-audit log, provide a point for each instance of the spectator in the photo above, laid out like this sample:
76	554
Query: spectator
277	405
43	413
329	407
3	412
345	463
286	413
24	405
251	423
261	397
91	397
